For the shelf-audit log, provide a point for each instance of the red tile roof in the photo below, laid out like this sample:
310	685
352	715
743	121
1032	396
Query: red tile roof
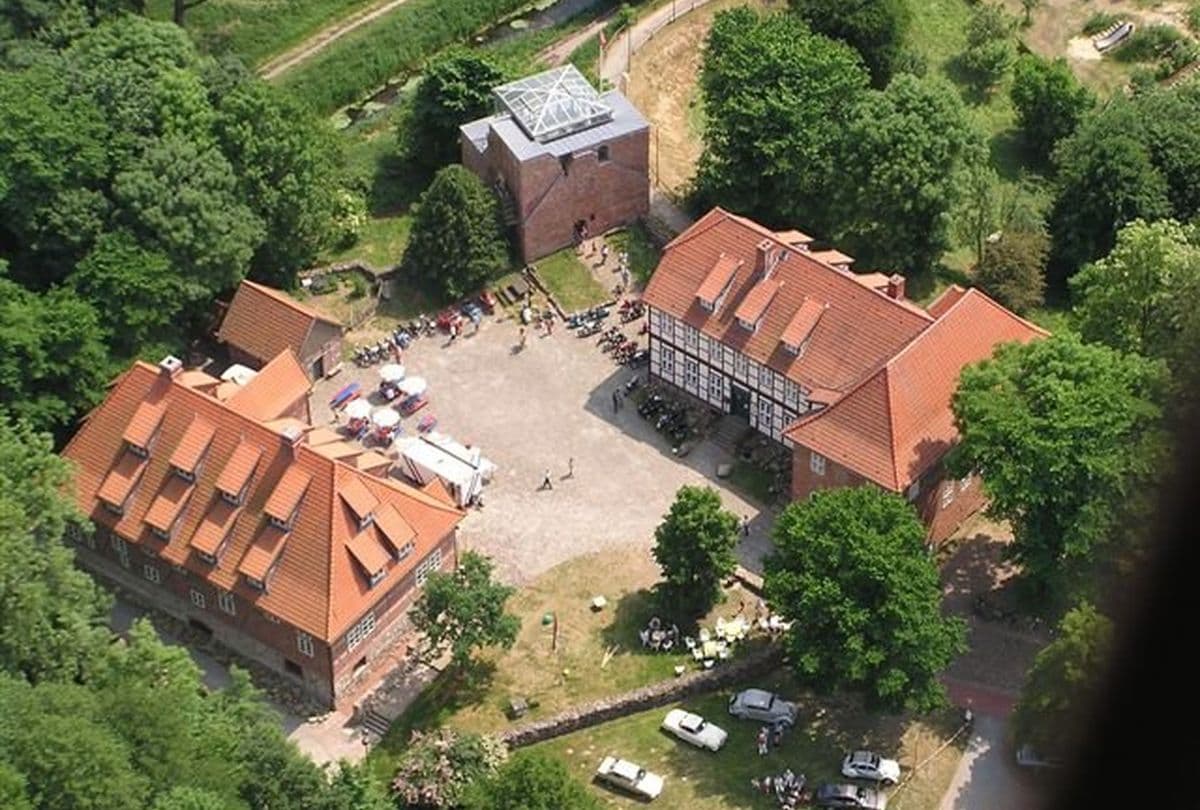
793	237
287	493
756	301
122	478
169	503
145	422
861	328
262	322
720	274
358	498
394	527
193	444
316	584
273	390
897	423
802	323
834	257
365	548
947	299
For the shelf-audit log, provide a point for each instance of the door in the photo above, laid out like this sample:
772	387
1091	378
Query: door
739	404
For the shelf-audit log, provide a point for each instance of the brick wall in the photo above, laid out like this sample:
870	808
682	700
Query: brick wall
805	481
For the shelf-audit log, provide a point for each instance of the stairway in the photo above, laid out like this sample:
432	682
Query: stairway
508	206
374	723
727	432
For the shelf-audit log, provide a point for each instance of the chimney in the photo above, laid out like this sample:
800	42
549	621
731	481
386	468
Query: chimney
895	287
170	366
292	436
762	258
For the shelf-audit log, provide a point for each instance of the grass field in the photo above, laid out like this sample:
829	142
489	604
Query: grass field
570	281
256	29
643	253
701	780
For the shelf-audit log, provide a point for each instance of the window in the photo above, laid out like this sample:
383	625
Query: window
913	491
256	584
271	617
430	564
115	508
360	631
691	374
764	378
668	362
964	482
304	643
602	154
816	463
122	550
741	365
365	521
405	550
186	475
764	414
716	386
151	573
138	450
226	602
282	525
206	557
691	337
377	577
234	499
198	599
161	534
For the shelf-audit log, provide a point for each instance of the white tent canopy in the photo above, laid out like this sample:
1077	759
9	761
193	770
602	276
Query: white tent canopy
412	386
425	457
385	418
358	409
392	373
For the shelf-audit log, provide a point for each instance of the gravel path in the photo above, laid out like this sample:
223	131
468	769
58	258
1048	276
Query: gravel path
323	38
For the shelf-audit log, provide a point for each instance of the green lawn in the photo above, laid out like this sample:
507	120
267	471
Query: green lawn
701	780
255	30
380	245
754	481
643	253
570	282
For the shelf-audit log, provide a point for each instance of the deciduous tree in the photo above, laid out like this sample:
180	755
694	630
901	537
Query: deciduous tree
1050	103
694	547
851	572
1064	434
530	781
990	50
1013	269
463	611
456	244
1064	683
875	28
436	768
456	89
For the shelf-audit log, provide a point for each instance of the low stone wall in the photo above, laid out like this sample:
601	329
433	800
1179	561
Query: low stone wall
648	697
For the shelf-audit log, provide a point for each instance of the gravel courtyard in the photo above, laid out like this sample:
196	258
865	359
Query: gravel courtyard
535	409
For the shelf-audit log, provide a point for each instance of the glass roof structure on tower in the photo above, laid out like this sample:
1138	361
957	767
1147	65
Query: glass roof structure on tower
552	104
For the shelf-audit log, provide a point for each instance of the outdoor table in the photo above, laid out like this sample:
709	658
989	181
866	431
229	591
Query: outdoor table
710	649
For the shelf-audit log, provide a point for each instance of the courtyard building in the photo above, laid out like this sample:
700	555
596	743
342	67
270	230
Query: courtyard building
217	504
565	160
839	366
262	322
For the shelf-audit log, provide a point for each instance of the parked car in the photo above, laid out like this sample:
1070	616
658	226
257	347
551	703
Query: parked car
694	729
869	765
632	778
856	796
759	704
471	310
447	318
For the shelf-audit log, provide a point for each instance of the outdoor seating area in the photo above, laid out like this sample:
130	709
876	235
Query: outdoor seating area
708	647
787	788
401	396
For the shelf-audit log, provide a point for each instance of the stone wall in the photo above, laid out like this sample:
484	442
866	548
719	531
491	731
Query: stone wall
648	697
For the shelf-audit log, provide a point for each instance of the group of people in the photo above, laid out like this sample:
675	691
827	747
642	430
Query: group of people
768	736
788	788
659	638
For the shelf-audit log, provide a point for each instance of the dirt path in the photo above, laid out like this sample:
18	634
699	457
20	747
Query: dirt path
318	41
560	52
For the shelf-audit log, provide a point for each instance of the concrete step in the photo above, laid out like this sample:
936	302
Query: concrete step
727	432
375	723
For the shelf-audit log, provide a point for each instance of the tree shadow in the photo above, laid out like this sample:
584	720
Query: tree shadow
631	614
1008	153
395	185
450	691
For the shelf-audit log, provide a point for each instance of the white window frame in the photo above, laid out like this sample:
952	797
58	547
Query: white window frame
151	573
816	463
741	366
766	378
304	643
691	374
428	566
122	549
691	337
716	385
198	599
947	494
766	410
227	602
359	632
914	490
406	550
964	482
667	362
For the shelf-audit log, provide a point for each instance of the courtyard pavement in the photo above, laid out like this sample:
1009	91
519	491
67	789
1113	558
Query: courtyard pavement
536	409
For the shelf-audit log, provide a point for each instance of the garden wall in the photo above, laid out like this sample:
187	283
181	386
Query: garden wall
648	697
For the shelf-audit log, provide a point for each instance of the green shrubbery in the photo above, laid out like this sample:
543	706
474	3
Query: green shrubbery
399	42
1099	21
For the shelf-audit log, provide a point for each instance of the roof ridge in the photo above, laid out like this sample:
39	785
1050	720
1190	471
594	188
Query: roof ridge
717	214
891	423
285	299
333	505
996	305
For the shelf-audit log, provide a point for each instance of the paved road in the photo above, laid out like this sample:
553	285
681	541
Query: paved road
987	778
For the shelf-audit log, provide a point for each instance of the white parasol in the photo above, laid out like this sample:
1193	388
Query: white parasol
392	373
358	409
385	418
413	386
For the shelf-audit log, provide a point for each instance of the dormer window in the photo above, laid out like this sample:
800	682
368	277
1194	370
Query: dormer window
282	525
365	521
206	557
161	534
138	450
231	498
256	584
115	508
186	475
377	577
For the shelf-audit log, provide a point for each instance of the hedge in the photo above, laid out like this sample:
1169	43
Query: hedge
397	43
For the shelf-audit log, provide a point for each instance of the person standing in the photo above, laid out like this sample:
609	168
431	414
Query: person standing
745	525
571	467
604	254
546	482
616	400
521	345
762	742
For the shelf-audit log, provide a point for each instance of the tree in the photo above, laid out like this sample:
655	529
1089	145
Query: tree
354	788
875	28
1050	103
773	155
456	244
186	798
530	781
1139	297
1064	683
1013	269
1064	433
53	364
436	768
851	571
900	159
990	49
694	546
462	611
456	89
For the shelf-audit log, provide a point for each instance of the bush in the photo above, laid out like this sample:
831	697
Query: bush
358	286
398	43
1099	21
1193	18
623	18
1149	43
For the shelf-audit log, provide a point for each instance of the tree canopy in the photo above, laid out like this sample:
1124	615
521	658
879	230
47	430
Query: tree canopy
990	50
874	28
772	155
1013	269
1050	103
437	767
463	611
530	781
851	571
899	163
1062	687
694	546
456	244
1065	434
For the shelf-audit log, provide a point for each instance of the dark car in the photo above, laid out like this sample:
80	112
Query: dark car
846	795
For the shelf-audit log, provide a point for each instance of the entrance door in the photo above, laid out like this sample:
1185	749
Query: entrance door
739	404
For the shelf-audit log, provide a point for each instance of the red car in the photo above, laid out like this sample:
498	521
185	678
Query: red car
449	317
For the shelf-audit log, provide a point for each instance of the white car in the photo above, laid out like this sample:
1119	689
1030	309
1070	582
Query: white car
868	765
629	777
692	728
